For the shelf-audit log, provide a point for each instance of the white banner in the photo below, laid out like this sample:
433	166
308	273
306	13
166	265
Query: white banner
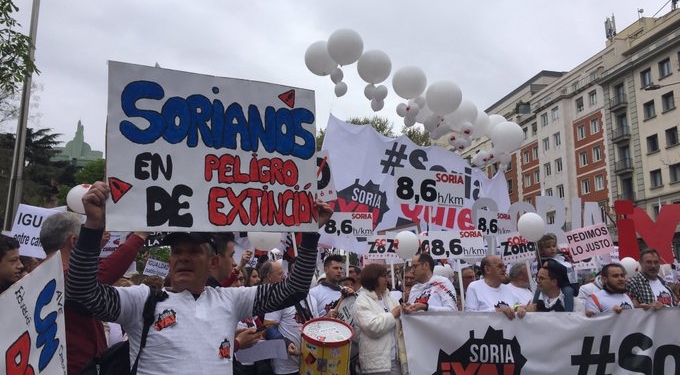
635	341
33	336
190	151
364	163
26	229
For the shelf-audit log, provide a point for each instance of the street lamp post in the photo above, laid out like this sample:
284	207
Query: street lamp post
654	86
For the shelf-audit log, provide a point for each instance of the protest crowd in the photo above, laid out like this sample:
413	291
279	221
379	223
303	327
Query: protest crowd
211	305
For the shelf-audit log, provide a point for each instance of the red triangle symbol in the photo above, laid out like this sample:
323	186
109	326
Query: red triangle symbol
288	97
118	188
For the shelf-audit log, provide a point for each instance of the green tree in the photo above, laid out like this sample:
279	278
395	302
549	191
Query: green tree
92	172
320	136
15	50
418	135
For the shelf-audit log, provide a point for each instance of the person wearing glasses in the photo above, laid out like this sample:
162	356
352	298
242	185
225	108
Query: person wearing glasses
430	292
490	294
551	278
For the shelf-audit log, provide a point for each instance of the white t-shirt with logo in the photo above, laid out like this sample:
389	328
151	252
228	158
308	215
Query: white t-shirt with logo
523	296
290	325
438	293
480	297
326	298
607	301
661	292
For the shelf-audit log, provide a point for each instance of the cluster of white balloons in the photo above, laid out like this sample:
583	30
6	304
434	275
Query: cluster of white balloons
440	107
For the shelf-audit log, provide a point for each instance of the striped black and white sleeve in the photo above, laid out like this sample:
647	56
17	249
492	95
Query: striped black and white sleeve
82	287
273	297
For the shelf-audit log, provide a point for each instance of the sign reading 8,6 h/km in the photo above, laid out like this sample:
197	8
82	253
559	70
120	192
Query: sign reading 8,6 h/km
350	224
464	244
415	186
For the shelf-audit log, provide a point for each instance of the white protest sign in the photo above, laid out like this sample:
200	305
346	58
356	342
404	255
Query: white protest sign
115	240
429	188
381	247
463	244
515	248
207	153
156	268
350	224
33	336
493	223
26	229
325	186
590	241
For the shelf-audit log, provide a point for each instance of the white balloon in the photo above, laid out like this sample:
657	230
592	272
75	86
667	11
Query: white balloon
420	100
531	226
264	241
377	105
337	75
407	244
374	66
345	46
481	125
318	60
401	109
74	198
409	82
423	113
507	136
380	93
432	122
504	158
467	128
443	97
369	91
631	265
466	112
443	270
493	121
480	158
340	89
409	121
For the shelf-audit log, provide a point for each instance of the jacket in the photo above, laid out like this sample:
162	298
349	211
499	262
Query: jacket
377	328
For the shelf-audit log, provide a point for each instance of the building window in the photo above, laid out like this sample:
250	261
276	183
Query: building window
597	154
665	68
652	143
655	178
581	132
527	180
668	101
579	105
560	191
648	109
550	217
547	169
675	172
510	186
549	192
526	133
534	128
558	164
655	211
646	77
621	121
525	157
544	119
599	182
583	158
594	126
537	176
592	98
672	136
557	138
546	143
555	113
535	152
585	186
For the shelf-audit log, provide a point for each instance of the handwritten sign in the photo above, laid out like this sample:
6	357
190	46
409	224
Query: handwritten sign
515	248
464	244
33	336
350	224
587	242
429	188
156	268
26	229
203	153
115	240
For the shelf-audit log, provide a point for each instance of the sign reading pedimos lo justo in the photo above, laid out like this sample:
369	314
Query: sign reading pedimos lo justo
194	152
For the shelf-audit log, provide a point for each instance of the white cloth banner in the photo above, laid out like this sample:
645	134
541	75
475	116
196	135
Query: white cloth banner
363	164
33	336
635	341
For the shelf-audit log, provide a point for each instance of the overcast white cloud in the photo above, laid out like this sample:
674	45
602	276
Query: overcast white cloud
487	47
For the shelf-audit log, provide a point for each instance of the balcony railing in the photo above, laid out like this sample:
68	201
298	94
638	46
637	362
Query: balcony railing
623	165
618	101
620	133
626	196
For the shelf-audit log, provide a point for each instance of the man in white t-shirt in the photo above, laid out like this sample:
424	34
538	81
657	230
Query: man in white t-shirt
519	284
613	296
646	289
328	293
430	292
489	293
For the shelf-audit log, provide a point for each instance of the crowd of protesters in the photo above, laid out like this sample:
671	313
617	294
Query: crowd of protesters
218	307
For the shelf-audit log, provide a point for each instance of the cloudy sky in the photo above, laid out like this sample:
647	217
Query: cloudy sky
487	47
